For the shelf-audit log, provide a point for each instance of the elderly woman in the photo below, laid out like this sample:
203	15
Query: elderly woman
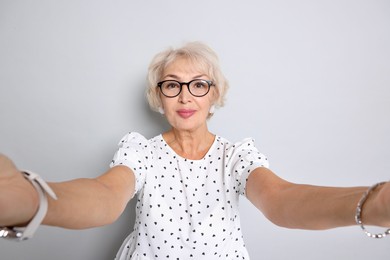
187	180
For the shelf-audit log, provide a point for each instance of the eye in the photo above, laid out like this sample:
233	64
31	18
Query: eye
171	85
200	84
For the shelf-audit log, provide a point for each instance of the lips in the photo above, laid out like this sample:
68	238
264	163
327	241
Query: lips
186	113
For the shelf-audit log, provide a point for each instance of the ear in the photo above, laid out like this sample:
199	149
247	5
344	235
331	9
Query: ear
212	109
161	110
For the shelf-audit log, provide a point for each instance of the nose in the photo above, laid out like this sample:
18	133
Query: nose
185	94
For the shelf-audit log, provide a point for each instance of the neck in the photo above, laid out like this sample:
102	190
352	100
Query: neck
190	145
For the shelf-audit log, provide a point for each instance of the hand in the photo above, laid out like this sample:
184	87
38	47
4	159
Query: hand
383	204
18	198
7	167
376	209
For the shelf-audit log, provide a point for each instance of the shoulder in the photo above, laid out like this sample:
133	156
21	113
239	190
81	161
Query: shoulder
246	143
133	139
243	150
134	146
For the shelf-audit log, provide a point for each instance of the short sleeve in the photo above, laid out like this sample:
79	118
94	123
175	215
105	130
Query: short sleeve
133	152
244	158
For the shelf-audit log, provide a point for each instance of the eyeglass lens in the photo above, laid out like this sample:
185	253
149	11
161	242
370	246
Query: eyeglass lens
172	88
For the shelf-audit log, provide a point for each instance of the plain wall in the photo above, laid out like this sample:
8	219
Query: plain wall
310	81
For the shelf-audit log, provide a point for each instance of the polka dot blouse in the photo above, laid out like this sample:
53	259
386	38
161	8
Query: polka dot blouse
186	209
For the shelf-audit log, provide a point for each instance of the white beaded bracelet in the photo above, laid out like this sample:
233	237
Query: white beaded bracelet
23	233
358	216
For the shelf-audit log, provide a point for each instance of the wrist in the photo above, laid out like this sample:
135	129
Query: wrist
19	199
31	204
374	211
41	187
370	211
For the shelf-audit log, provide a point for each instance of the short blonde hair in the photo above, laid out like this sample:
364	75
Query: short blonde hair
198	53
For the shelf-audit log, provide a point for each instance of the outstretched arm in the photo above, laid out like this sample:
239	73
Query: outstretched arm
314	207
81	203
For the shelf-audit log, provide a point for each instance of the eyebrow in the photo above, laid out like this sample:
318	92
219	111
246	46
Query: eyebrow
177	77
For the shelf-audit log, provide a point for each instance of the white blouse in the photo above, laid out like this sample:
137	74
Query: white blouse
186	209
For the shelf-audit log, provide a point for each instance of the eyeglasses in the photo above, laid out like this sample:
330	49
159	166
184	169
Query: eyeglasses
197	87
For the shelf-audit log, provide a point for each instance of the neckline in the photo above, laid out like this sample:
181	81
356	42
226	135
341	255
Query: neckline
187	159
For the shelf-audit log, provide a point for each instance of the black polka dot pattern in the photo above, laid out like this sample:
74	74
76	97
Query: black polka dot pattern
187	209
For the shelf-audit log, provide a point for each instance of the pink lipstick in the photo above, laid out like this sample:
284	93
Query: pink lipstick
185	113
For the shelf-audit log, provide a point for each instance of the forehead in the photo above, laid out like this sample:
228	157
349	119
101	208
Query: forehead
185	67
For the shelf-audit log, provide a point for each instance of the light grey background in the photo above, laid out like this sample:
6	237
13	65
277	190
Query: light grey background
309	81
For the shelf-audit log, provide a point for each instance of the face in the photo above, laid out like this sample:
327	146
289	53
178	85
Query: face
186	112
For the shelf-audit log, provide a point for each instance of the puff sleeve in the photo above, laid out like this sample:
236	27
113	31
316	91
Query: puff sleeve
244	157
133	152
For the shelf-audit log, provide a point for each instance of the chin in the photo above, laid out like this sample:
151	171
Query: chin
187	126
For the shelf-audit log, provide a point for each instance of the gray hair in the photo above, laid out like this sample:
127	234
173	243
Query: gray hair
198	53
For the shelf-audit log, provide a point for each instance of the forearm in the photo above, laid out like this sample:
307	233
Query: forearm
82	203
313	207
85	203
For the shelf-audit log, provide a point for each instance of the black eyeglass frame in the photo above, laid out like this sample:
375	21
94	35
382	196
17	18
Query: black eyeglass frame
209	84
